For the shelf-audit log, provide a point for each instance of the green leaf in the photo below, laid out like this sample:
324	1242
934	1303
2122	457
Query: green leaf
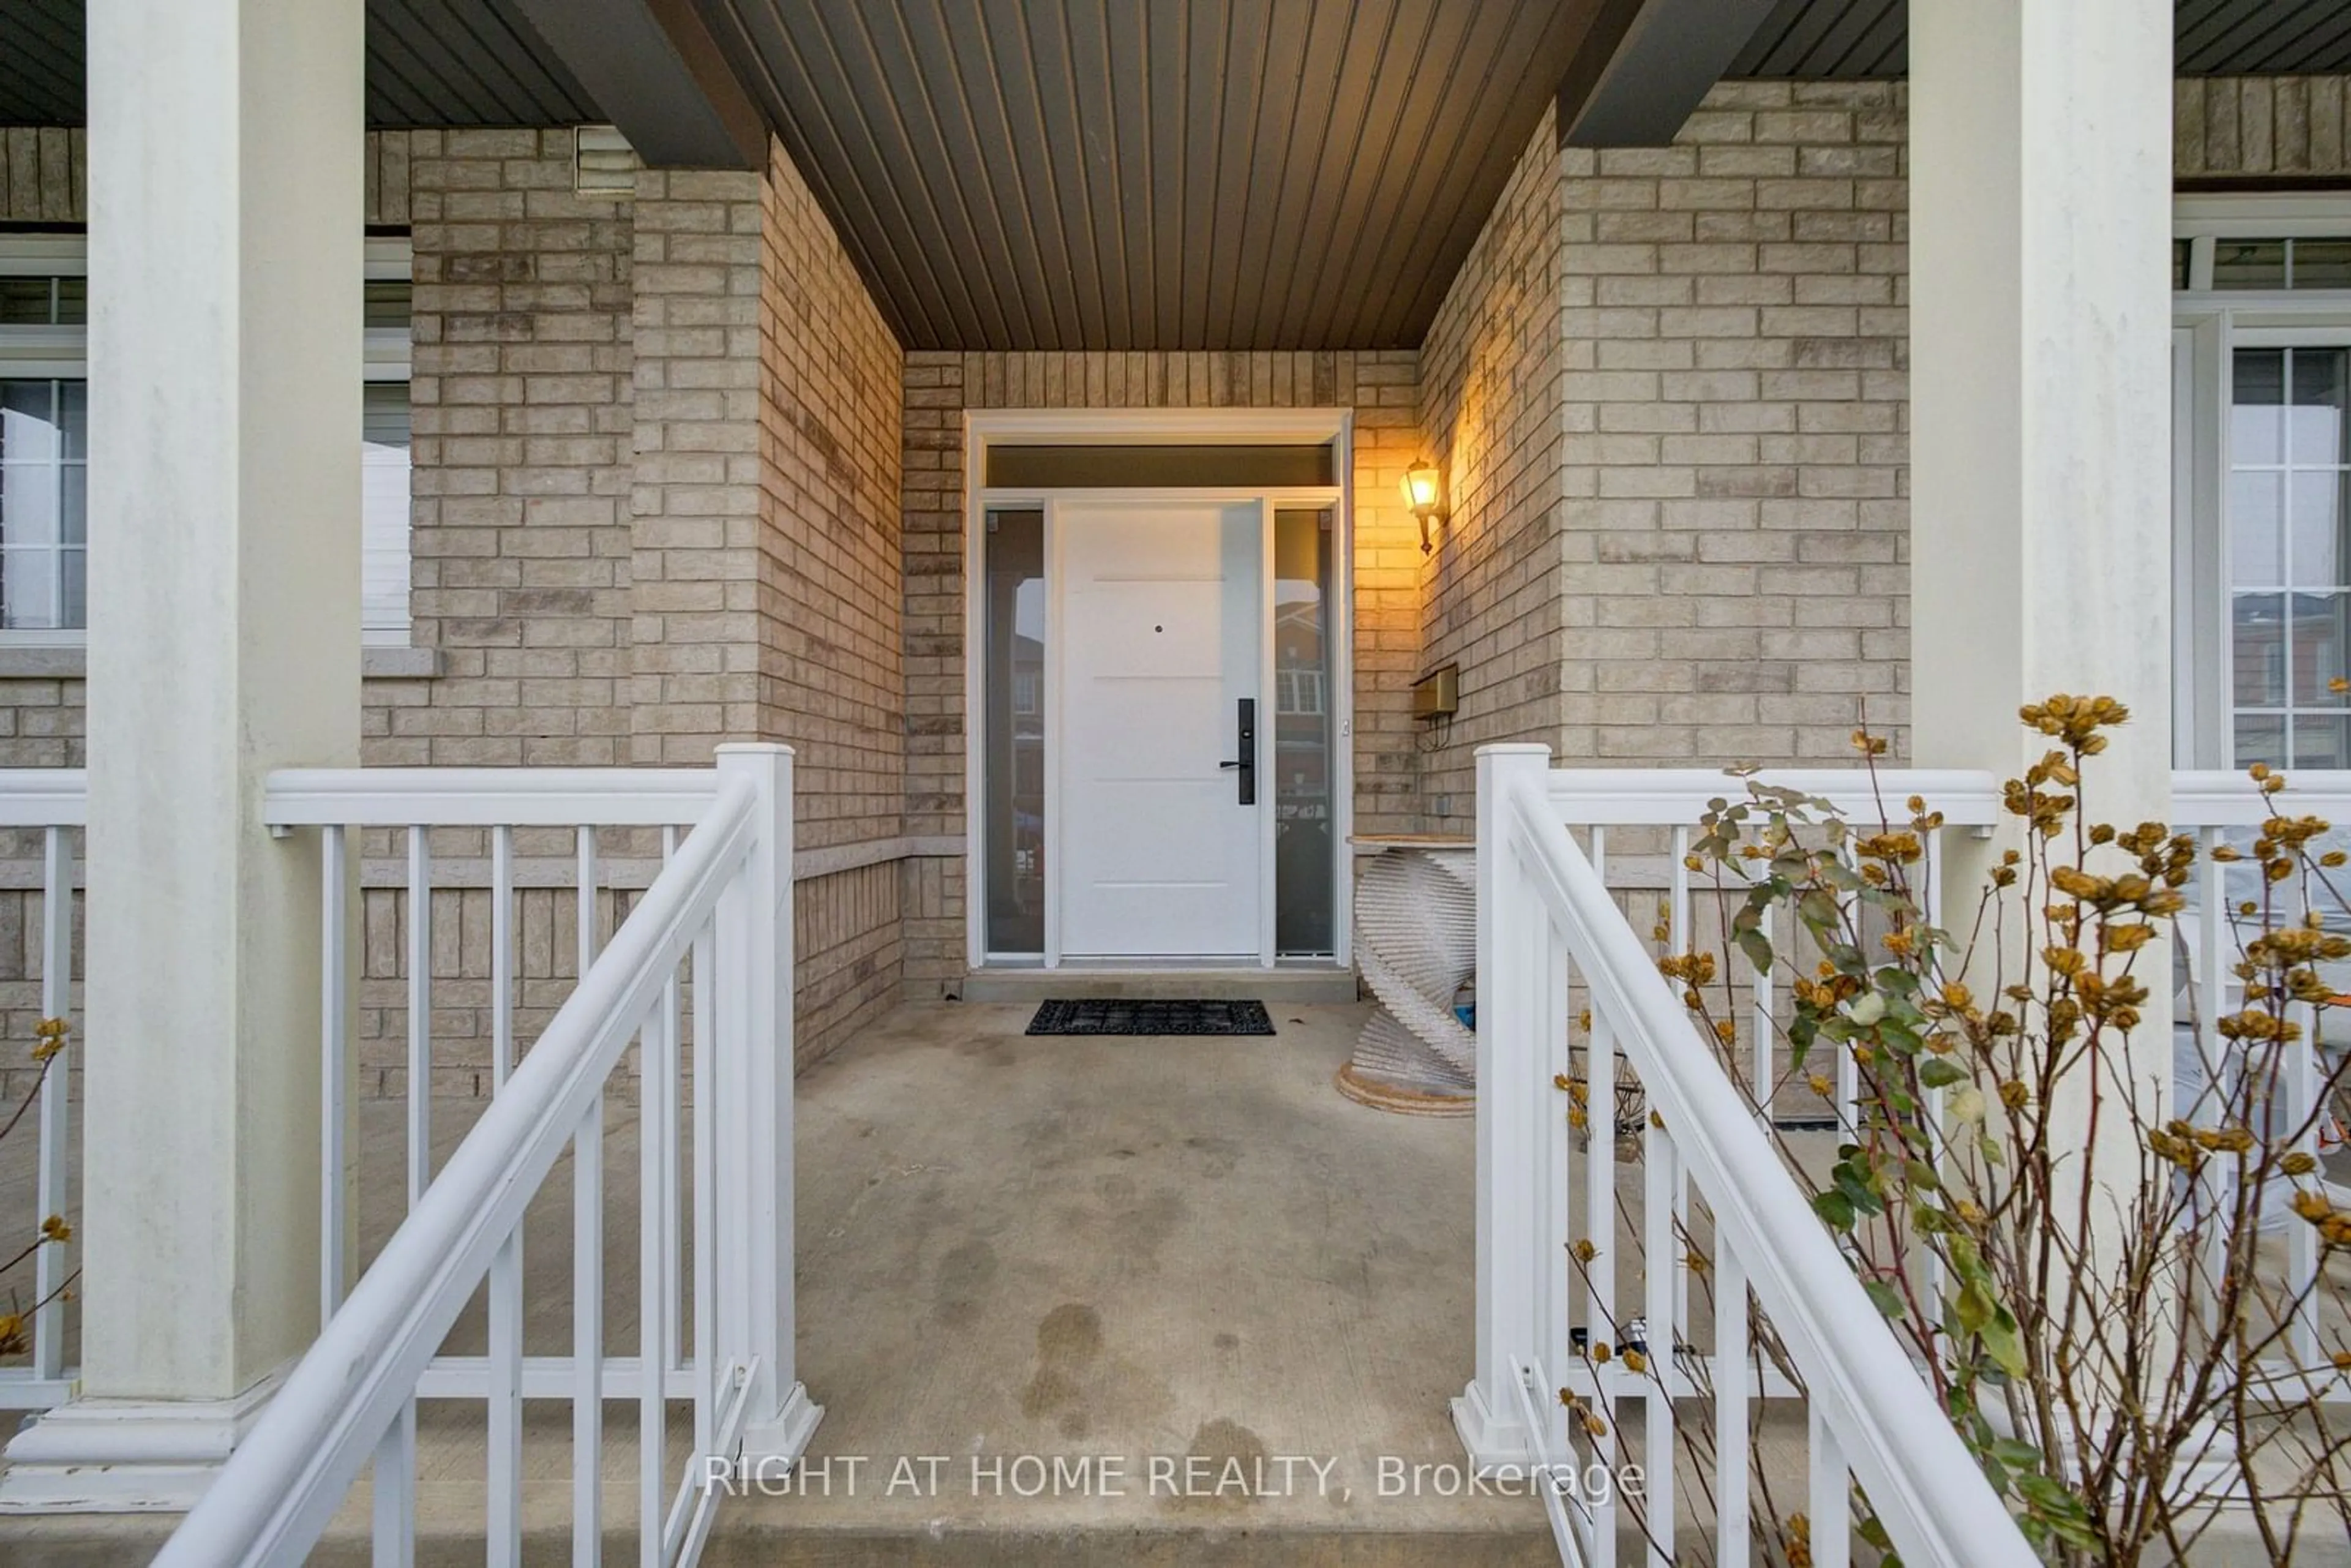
1857	1190
1888	1300
2052	1498
2016	1455
1923	1176
1757	946
1936	1073
1975	1307
2006	1345
1834	1207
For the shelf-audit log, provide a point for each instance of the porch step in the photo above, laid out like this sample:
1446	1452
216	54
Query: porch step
1283	1547
1275	987
112	1541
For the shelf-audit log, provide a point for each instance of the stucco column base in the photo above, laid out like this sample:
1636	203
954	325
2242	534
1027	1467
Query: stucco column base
127	1456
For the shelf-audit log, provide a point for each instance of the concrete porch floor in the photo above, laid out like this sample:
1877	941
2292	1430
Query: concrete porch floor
1121	1251
1135	1248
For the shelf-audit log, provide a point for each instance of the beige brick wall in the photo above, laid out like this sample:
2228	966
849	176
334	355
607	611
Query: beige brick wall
831	602
766	584
45	175
1737	583
1490	387
657	455
694	503
521	399
2261	127
1380	386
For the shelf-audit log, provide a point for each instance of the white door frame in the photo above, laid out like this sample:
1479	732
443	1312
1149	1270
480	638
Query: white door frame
1174	427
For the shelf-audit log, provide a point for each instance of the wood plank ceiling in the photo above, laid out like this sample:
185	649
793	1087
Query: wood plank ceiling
1815	39
1134	174
429	62
1174	174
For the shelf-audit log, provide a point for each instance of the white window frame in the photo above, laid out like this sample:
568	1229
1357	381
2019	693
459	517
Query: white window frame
389	356
62	354
2208	325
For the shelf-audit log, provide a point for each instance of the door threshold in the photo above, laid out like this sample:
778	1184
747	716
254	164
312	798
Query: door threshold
1290	983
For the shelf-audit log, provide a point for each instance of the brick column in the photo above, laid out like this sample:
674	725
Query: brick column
766	567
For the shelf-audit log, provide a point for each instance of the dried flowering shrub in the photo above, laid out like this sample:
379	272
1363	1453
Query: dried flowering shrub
49	1037
2092	1277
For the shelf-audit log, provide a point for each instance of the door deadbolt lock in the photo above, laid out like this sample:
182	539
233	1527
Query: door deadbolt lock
1245	744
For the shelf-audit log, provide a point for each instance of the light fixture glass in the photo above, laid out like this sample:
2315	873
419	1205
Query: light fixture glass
1422	486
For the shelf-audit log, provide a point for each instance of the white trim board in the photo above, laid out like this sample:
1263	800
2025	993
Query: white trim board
1153	426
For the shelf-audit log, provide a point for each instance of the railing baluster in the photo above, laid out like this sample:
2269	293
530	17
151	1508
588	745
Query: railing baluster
501	955
588	1338
1678	900
394	1508
53	1181
1661	1253
656	1122
588	1276
504	1458
706	1199
334	1070
2210	998
420	1012
1674	1332
2298	1088
1732	1394
1760	1023
673	1191
1848	1065
1931	909
1829	1508
1600	1230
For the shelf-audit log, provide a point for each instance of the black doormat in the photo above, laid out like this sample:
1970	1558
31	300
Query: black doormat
1142	1017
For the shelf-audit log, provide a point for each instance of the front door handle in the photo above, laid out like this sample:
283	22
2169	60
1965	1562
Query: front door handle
1245	763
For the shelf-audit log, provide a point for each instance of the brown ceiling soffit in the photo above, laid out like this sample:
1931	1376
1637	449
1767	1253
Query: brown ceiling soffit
1646	64
655	71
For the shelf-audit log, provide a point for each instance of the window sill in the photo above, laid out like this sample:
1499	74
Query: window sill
55	662
392	664
66	662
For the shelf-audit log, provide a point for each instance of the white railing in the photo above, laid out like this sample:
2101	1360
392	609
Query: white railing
2227	809
1549	930
713	934
54	802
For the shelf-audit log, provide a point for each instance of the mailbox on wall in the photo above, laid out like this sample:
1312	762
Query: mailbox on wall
1437	694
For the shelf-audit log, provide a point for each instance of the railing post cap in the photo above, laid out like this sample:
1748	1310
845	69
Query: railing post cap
1514	748
753	748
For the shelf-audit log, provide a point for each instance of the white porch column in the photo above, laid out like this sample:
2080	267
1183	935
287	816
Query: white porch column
757	1298
2040	421
1517	1248
2040	425
226	223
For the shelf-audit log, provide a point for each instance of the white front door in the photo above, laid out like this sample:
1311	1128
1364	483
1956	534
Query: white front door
1161	826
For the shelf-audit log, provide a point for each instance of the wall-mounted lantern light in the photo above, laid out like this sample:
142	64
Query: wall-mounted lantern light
1424	488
